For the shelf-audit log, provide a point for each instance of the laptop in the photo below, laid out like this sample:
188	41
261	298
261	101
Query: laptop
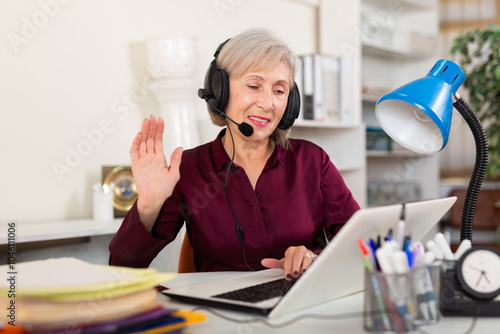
337	272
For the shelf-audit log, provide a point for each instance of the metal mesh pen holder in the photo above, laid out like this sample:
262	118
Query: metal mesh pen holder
399	303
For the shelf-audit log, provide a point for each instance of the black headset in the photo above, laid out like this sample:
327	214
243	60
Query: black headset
216	93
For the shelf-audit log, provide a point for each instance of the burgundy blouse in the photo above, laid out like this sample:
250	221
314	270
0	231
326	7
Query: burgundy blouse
299	195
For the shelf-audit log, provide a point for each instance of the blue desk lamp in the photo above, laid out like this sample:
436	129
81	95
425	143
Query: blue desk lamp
418	116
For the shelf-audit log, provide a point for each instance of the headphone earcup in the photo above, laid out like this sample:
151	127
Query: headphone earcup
292	109
216	86
220	88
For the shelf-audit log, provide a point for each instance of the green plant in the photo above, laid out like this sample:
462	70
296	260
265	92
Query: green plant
478	53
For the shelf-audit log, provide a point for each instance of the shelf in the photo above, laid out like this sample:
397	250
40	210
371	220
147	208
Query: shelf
66	229
347	168
371	97
391	154
410	4
399	51
313	3
326	125
379	50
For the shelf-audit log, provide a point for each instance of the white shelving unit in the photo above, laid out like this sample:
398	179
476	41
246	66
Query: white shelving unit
344	142
399	45
345	145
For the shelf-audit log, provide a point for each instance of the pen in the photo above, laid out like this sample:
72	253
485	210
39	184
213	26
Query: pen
366	254
422	296
400	231
373	248
443	245
409	253
417	249
396	306
426	260
429	293
426	298
378	296
389	235
464	245
400	262
391	245
431	245
403	297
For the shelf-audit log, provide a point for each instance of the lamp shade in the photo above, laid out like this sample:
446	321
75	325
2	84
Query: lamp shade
418	114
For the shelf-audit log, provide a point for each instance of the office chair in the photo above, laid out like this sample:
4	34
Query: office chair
486	217
186	257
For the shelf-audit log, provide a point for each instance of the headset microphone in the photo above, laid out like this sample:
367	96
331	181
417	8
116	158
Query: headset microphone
245	128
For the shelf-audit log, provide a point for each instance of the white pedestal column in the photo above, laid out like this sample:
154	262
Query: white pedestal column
172	62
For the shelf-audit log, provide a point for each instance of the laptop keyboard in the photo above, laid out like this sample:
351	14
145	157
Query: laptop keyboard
259	292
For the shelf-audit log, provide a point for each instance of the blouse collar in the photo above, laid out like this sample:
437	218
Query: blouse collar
221	158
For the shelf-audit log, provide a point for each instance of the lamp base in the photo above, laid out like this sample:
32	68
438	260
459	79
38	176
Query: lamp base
453	302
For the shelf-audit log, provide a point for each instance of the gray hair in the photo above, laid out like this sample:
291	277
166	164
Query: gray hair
244	52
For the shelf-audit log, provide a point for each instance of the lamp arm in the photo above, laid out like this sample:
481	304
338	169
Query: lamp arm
479	166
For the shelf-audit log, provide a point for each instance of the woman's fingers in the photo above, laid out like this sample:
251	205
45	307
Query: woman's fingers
175	159
297	260
287	263
272	263
159	135
134	149
144	134
150	140
307	260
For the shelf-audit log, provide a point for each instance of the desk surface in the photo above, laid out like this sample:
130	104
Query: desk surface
343	315
43	231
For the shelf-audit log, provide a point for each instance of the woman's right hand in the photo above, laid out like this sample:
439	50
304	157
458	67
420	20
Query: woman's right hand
154	179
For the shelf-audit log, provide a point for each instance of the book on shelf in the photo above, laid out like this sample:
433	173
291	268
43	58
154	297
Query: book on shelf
326	85
378	140
308	87
299	81
319	77
330	88
346	90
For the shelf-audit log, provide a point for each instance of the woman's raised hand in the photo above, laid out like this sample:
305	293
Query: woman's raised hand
154	179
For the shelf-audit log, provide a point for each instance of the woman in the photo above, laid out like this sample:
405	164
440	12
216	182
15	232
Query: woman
283	195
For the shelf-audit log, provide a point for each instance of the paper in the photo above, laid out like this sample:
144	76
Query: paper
70	278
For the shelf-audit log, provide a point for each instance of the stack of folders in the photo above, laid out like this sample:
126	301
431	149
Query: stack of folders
69	295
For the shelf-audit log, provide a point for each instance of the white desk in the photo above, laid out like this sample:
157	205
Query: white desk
54	230
333	321
96	251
